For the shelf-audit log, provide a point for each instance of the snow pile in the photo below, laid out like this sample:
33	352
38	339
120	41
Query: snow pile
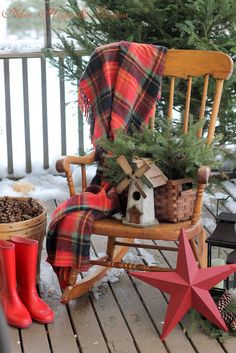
49	287
21	46
148	258
43	187
114	275
227	201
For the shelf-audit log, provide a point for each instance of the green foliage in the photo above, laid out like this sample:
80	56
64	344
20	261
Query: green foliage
189	24
197	320
180	24
178	155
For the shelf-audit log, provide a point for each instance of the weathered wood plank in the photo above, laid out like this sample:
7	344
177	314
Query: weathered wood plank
201	341
157	306
229	345
177	340
146	316
35	339
208	220
230	187
118	337
116	331
15	341
86	324
216	193
137	319
63	338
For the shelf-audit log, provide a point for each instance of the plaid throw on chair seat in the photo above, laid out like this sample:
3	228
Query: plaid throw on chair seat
118	90
68	237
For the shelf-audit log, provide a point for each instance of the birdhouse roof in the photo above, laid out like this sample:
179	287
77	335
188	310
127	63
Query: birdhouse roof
134	210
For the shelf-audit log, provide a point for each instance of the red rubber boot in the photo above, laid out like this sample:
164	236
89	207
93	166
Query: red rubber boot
15	312
26	262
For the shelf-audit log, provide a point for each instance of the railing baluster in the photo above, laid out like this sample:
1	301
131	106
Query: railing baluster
28	165
81	132
62	107
44	114
10	167
26	96
81	128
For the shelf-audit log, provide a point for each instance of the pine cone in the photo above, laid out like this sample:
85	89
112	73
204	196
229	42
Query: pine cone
224	301
233	325
229	317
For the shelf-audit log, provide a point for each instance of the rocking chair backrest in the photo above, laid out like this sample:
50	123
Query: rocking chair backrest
183	67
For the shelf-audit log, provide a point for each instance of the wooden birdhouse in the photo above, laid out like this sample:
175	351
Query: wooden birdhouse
140	204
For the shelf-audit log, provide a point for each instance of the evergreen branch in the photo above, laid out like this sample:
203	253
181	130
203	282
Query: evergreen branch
191	24
178	155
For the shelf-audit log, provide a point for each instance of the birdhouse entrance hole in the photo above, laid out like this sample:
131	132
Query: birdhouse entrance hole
136	195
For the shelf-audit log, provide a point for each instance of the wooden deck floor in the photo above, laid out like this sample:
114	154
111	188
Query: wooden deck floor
125	316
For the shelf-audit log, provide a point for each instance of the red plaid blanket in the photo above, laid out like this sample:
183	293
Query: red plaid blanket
120	86
68	237
118	89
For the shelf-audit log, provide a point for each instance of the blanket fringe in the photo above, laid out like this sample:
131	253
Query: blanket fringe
86	109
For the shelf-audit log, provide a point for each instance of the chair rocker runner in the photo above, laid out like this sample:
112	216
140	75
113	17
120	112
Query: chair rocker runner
184	65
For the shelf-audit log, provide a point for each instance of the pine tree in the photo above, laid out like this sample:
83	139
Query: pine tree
180	24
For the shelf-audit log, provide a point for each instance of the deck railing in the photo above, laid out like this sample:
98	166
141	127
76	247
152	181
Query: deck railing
25	58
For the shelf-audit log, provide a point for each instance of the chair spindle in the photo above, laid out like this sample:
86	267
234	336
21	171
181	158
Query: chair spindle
203	102
171	99
187	105
215	109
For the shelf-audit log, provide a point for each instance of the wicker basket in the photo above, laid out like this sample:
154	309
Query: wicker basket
34	228
174	201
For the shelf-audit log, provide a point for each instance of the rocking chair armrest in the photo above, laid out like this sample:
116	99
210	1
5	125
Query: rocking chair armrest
203	174
63	164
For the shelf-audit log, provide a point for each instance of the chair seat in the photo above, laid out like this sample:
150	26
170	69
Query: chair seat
163	231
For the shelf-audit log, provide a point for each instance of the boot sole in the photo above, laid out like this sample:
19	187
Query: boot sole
43	322
19	326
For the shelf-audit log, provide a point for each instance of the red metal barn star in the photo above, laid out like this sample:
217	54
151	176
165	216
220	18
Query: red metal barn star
188	287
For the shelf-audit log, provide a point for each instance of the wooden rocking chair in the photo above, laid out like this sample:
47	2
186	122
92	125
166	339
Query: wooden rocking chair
184	65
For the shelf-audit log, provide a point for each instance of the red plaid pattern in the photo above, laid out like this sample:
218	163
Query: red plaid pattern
68	237
120	86
118	89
